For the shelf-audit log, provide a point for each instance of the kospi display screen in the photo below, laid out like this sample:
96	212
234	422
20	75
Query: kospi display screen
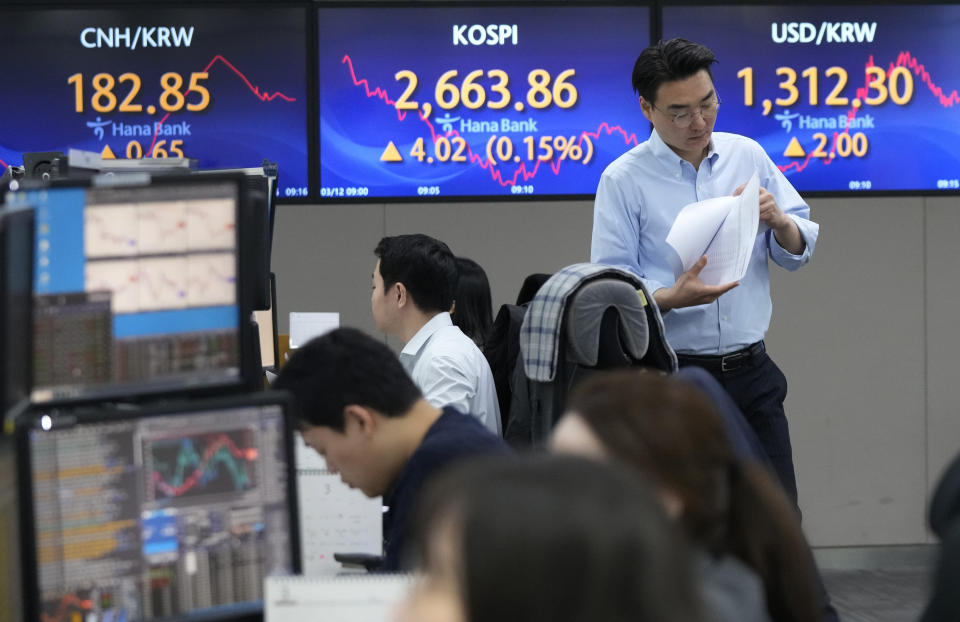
225	85
475	101
843	98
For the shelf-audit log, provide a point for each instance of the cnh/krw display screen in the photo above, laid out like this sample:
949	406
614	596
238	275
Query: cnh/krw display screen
482	101
842	98
225	85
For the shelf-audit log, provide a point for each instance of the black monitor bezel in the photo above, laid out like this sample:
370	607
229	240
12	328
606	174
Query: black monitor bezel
14	221
93	415
130	393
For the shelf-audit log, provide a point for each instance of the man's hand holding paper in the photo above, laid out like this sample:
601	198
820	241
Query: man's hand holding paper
784	228
689	290
724	230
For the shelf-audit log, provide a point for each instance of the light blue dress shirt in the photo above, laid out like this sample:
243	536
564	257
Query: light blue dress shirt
638	199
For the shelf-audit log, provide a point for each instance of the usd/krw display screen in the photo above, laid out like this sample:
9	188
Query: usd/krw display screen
476	101
224	85
860	98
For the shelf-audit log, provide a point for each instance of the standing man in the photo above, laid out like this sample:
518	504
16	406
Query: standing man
717	327
413	287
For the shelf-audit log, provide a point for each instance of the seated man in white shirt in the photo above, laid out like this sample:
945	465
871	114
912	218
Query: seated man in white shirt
413	286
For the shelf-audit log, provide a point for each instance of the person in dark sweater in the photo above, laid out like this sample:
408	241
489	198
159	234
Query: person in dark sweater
360	410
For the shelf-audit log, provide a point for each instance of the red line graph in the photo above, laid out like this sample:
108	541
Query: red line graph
191	481
475	158
3	164
264	97
904	59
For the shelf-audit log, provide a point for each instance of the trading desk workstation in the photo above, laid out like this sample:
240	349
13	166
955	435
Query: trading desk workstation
148	478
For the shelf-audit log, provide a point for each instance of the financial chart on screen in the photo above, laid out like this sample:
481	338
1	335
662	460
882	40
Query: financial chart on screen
842	98
159	517
482	101
136	289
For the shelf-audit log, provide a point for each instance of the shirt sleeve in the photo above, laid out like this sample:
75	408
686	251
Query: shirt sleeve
793	206
616	231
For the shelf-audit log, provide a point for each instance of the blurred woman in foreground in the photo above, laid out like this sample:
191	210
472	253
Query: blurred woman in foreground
548	539
754	563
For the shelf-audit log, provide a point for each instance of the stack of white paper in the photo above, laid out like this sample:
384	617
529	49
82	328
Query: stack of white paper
335	519
304	326
364	598
724	229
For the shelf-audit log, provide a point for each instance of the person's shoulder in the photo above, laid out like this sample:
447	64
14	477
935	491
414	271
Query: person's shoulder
450	345
739	142
627	162
456	432
453	334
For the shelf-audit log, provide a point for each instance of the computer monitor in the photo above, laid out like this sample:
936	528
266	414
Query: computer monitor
258	215
136	287
178	512
16	291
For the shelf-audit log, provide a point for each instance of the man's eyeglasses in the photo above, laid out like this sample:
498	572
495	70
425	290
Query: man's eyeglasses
684	118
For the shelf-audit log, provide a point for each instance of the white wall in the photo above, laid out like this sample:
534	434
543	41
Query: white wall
864	333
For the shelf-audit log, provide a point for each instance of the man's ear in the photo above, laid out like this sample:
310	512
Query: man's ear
399	291
360	419
647	109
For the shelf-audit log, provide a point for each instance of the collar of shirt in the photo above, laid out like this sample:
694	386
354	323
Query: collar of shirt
422	336
669	158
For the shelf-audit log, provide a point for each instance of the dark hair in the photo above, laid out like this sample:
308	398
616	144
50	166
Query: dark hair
344	367
424	265
473	308
559	539
668	61
666	428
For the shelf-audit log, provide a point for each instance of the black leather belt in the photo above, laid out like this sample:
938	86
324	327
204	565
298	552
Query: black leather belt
731	361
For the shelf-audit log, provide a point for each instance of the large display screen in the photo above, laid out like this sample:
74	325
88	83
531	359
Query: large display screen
860	98
224	85
475	101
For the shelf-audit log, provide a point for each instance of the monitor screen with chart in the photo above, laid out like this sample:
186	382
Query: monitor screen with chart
136	288
167	513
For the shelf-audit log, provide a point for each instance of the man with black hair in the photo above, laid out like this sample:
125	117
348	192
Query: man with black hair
414	282
362	413
717	327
